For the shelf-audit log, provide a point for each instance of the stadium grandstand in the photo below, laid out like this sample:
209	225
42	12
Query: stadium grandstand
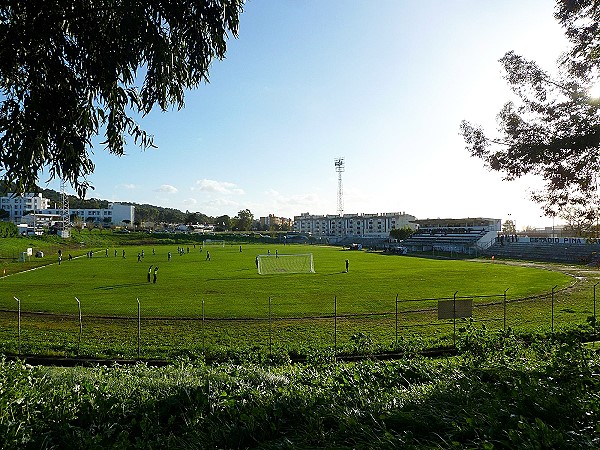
470	235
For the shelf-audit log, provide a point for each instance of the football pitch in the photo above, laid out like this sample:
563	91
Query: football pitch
229	285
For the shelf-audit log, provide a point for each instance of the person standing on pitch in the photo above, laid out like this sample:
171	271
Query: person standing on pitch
149	272
155	271
208	256
347	265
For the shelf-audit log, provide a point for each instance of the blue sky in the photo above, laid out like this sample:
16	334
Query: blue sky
382	83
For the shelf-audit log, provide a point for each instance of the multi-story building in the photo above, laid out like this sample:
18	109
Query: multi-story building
272	220
19	205
115	214
352	225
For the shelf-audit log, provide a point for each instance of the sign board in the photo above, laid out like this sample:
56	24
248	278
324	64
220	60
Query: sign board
29	251
446	308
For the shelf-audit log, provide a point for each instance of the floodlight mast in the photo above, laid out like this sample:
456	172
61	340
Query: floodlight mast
64	212
339	168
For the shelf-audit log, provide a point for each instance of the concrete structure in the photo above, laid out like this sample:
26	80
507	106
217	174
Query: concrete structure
468	235
18	205
336	228
115	214
272	220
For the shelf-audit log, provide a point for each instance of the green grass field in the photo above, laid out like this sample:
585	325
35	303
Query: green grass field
231	287
223	305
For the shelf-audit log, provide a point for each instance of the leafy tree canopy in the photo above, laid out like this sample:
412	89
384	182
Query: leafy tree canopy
69	70
402	233
553	128
244	220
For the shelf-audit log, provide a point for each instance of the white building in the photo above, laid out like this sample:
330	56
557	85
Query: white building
352	225
115	214
18	205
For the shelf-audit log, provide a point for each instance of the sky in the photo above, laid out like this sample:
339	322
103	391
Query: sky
383	84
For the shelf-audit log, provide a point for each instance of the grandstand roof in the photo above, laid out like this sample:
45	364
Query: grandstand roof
465	222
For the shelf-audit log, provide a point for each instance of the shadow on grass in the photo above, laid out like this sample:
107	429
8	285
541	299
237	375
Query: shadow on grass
117	286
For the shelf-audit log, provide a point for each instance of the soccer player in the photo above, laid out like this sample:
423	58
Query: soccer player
207	256
347	264
149	272
155	271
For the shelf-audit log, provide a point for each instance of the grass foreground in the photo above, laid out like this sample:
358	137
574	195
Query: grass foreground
499	392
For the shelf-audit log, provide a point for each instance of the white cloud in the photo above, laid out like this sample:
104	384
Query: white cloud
288	206
167	188
218	203
219	187
190	201
128	186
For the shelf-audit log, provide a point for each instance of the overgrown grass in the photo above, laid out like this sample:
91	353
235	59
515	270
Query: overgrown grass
500	392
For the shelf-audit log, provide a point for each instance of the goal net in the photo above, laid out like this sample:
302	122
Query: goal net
270	264
213	242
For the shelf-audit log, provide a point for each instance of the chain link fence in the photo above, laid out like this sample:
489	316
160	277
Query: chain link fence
277	327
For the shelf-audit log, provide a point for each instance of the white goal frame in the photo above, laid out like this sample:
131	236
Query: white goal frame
213	242
290	263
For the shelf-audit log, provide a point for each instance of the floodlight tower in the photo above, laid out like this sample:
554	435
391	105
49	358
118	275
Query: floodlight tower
339	168
64	210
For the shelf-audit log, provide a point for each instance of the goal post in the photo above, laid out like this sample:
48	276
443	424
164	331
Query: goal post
217	242
273	264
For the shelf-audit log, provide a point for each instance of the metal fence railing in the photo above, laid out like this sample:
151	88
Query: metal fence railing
277	327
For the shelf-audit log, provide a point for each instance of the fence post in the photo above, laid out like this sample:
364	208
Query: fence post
553	307
504	305
454	318
203	348
270	329
18	326
335	326
595	305
139	328
396	321
80	326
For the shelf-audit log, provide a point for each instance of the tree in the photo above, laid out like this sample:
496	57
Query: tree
69	70
244	220
222	223
8	229
553	130
508	227
402	233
